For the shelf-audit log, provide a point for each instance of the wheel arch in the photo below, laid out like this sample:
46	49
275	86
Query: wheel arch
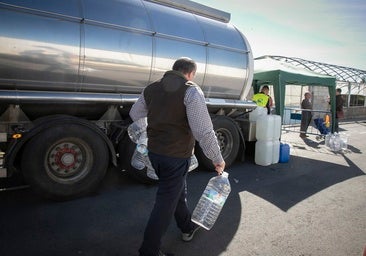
240	131
242	146
43	123
229	124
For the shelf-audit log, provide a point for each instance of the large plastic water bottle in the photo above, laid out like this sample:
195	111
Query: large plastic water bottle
337	143
331	142
193	163
137	133
138	160
212	200
142	143
136	129
344	141
327	139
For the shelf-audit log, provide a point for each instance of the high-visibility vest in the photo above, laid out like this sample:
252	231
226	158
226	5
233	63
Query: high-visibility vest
260	99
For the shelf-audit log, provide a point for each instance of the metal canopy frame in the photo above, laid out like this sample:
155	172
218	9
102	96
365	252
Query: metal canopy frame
342	74
352	79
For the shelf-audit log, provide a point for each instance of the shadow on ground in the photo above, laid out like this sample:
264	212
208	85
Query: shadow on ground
111	222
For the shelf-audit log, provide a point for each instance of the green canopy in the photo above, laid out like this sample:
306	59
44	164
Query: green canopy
279	74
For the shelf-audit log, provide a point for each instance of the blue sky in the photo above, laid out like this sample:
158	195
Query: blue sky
329	31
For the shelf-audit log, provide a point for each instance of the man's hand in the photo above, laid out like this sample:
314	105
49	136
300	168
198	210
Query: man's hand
220	167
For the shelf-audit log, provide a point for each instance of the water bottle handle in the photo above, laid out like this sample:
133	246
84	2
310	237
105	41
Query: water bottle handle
224	174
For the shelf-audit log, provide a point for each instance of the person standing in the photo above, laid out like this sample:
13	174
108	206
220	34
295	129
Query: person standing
306	115
177	115
339	109
262	99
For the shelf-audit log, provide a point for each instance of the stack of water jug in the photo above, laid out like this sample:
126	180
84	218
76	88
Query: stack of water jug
336	141
268	132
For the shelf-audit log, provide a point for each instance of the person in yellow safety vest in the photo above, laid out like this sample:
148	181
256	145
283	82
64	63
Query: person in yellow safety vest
262	99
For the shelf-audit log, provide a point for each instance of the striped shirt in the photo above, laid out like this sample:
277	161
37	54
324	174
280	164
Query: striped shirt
198	118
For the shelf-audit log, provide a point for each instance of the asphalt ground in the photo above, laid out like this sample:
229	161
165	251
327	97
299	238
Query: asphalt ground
313	205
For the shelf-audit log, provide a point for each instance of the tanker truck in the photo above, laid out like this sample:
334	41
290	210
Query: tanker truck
70	71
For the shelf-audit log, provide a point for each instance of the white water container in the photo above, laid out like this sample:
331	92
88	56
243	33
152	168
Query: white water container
257	112
263	152
277	127
276	151
265	127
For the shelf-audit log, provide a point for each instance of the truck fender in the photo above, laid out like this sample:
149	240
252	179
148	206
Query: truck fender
45	122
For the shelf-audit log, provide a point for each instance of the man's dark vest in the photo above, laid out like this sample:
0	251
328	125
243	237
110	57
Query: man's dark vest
168	129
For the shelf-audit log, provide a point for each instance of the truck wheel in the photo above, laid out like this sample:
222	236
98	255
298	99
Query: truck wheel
229	141
126	149
65	161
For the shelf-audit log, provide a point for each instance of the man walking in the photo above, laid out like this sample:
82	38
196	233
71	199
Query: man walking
177	116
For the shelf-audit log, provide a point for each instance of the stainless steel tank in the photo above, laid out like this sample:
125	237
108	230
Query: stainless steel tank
118	46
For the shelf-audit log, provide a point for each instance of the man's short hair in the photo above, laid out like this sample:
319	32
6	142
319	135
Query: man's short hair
184	65
339	90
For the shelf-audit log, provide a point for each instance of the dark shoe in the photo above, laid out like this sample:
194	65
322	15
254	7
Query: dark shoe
165	254
186	237
160	253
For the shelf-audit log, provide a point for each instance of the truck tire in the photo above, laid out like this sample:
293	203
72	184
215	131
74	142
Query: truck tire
126	149
229	141
65	161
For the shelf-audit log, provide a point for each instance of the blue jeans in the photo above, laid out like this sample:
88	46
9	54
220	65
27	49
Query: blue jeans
171	200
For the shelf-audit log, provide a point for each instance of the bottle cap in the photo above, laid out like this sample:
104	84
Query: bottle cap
225	174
